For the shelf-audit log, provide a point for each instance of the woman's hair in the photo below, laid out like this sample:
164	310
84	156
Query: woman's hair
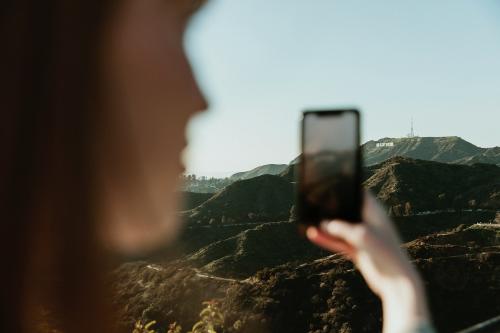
53	266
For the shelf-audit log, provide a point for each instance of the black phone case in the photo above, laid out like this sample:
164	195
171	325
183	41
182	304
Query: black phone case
354	216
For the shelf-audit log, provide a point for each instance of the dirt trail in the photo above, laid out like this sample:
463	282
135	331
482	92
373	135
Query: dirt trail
200	274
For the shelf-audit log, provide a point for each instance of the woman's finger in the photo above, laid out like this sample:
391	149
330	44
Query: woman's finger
328	242
375	216
373	213
353	234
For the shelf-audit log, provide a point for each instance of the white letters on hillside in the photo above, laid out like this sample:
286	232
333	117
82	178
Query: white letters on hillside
385	144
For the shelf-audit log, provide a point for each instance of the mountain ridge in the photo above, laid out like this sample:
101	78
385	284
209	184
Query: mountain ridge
448	149
266	169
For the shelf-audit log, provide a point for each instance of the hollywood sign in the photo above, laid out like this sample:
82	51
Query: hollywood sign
385	144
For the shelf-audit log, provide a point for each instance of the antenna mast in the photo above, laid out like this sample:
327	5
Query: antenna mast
412	130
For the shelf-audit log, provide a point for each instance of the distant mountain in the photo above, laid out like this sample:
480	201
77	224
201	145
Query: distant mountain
259	199
204	184
488	155
451	149
407	186
267	169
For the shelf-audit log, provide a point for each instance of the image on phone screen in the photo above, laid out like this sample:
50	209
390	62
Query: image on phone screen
329	183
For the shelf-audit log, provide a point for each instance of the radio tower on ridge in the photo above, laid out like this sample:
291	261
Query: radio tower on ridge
412	132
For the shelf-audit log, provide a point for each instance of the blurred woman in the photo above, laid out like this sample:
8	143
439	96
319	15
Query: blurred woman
95	98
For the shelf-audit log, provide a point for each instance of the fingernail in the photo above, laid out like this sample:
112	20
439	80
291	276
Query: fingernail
329	226
311	232
324	225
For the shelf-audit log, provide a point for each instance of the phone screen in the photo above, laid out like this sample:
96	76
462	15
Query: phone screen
329	183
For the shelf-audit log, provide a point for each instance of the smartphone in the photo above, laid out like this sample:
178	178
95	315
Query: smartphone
329	180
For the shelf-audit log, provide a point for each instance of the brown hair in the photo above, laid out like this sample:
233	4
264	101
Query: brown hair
49	100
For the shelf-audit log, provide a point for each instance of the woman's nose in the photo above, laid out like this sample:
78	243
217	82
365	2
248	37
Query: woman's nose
199	102
202	102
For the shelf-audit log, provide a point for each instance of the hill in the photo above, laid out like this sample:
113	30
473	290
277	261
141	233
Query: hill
267	245
267	169
327	295
260	199
409	187
450	149
459	267
240	254
193	199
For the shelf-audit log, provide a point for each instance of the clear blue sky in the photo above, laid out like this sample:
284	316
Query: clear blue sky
260	62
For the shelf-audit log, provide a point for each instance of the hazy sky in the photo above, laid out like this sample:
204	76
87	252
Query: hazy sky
260	62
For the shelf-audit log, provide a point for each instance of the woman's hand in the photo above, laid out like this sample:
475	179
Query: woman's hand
374	247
